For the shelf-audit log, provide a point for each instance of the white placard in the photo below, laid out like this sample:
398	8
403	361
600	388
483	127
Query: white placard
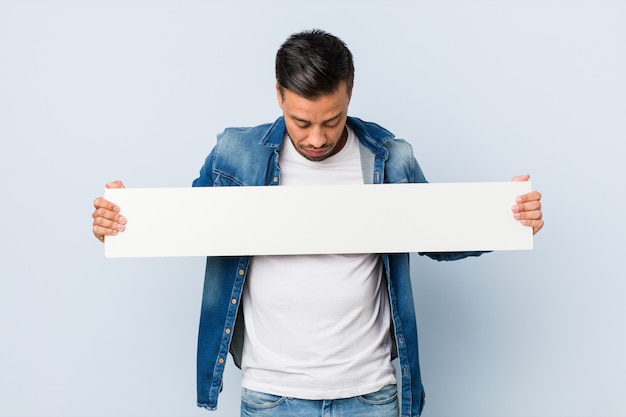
236	221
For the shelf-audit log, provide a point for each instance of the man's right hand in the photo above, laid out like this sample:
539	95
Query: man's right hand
106	217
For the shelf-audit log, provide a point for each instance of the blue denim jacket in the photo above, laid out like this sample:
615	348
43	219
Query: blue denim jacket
249	157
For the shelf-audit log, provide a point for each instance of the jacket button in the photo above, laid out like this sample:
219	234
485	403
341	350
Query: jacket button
275	179
227	331
234	301
241	272
220	361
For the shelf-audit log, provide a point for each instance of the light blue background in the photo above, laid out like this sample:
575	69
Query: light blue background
93	91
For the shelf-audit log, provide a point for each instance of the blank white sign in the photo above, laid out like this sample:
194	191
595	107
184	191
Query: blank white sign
273	220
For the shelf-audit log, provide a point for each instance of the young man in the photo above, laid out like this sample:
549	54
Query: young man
312	334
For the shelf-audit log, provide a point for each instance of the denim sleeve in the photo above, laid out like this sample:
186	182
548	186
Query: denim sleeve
206	178
418	174
451	256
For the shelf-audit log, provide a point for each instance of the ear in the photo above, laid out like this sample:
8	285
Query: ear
279	96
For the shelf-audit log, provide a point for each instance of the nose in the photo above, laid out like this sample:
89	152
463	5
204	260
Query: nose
317	138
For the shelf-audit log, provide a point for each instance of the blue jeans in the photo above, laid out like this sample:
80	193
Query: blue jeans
383	403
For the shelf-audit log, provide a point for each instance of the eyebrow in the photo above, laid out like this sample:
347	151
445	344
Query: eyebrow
297	119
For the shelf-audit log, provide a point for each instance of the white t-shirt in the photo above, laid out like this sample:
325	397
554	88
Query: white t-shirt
317	326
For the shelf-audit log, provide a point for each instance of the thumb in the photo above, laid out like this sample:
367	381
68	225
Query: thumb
115	184
524	177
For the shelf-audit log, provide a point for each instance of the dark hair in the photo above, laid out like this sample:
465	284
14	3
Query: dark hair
313	63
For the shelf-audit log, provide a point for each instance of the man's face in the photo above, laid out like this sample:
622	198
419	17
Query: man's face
317	127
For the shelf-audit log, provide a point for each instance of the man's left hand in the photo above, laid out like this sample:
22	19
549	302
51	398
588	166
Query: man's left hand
528	207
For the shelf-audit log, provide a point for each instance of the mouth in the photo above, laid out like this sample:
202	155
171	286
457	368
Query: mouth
315	154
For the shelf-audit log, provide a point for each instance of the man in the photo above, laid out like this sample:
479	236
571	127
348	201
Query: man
314	334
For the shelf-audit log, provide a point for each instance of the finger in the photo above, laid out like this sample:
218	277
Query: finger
524	177
528	215
531	196
116	222
102	205
100	232
530	206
